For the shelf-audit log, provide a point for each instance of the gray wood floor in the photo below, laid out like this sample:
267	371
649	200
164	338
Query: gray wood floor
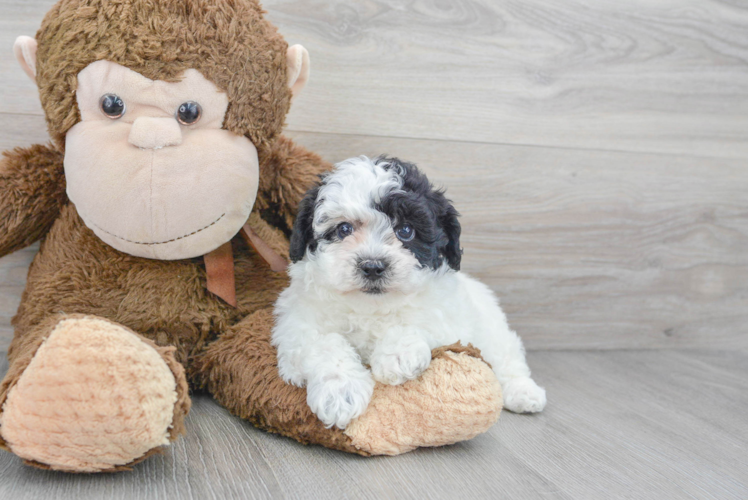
598	151
620	424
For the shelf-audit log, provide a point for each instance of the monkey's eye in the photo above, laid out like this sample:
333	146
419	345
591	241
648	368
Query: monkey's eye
345	229
189	113
112	106
406	232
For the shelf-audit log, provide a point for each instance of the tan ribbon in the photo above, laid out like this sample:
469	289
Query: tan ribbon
275	261
219	265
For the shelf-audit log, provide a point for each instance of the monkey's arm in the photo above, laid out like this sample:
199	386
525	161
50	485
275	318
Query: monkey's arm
287	171
32	192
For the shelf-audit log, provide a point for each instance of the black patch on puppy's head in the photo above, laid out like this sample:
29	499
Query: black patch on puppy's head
303	230
428	211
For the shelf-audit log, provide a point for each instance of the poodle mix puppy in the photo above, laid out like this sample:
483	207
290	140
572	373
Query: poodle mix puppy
375	281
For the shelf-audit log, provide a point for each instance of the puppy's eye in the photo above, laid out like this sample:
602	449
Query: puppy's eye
345	229
189	113
112	106
406	232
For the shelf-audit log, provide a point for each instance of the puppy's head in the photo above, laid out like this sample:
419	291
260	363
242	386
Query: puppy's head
375	226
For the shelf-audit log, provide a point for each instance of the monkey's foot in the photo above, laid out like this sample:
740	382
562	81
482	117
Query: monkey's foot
455	399
95	397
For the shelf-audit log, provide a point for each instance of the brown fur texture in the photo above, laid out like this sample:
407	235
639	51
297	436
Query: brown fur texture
240	370
458	348
284	180
166	301
32	179
221	348
160	39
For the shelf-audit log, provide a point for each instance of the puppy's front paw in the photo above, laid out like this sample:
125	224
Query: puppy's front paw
396	364
523	395
338	399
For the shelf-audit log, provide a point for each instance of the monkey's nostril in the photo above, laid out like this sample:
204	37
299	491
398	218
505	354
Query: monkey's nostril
372	269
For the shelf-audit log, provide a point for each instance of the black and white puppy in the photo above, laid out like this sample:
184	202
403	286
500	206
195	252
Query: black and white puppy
375	281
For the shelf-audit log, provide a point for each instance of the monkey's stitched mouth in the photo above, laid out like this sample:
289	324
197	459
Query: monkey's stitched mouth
163	242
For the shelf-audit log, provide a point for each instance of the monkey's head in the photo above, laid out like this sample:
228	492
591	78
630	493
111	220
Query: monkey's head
161	107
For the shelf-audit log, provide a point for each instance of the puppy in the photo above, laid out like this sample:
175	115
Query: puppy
375	281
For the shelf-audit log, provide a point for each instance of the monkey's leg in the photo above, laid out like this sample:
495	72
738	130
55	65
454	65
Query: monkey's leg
455	399
84	394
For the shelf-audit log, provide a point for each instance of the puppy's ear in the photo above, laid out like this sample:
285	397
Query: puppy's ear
303	232
451	227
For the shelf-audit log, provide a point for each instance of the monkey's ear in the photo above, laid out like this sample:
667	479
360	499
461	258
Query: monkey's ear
297	58
25	50
303	230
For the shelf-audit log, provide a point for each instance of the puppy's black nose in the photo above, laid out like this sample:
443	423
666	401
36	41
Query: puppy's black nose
372	269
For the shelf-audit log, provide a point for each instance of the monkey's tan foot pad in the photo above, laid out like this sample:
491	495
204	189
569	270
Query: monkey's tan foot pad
456	398
94	397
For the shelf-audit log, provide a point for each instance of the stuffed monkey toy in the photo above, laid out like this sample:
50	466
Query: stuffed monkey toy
163	205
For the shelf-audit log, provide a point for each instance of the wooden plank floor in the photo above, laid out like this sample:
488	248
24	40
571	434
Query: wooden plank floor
620	424
598	153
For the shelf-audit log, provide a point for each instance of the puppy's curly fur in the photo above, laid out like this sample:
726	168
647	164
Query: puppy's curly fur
375	281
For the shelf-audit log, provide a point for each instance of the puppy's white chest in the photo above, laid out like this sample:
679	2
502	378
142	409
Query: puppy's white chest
365	331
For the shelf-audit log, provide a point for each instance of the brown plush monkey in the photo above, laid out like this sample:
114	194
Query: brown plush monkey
165	117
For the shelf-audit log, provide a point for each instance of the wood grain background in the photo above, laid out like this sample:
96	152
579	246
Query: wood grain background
596	149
